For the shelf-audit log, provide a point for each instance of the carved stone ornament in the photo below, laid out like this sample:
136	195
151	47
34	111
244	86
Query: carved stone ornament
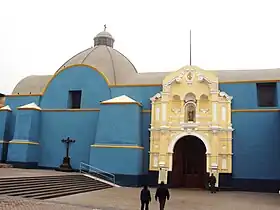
155	97
225	95
204	110
202	78
176	110
190	76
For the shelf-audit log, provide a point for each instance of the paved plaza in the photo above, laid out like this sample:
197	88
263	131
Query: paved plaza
127	199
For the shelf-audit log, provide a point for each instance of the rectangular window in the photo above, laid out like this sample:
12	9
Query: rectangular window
74	101
266	94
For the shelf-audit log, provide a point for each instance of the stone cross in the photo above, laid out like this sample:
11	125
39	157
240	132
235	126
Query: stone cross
67	141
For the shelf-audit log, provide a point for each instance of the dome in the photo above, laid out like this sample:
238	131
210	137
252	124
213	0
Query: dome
116	67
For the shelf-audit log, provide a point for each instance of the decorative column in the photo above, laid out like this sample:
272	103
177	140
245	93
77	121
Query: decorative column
182	114
164	108
163	154
214	158
214	112
208	162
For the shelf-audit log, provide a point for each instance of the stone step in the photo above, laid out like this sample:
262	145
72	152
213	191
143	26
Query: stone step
4	165
13	186
23	192
38	180
49	186
25	178
56	194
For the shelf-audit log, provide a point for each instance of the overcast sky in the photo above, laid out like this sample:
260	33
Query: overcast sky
38	36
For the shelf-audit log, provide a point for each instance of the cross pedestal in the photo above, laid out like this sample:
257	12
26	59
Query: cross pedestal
66	166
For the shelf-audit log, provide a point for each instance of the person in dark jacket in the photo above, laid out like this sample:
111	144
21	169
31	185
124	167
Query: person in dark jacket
212	183
162	194
145	198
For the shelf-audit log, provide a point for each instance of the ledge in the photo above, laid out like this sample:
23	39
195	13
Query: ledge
71	110
20	142
117	146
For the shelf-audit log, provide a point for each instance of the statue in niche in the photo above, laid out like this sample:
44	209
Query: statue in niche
190	113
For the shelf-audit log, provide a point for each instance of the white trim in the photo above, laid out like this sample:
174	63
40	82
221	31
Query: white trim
122	98
30	106
181	135
6	108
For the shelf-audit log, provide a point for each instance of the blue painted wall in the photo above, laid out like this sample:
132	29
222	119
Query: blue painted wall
256	145
26	128
27	125
56	126
119	124
118	160
23	153
4	117
94	88
244	95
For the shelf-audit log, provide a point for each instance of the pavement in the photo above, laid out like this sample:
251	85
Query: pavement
127	199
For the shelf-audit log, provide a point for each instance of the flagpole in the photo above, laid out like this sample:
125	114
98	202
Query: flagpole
190	47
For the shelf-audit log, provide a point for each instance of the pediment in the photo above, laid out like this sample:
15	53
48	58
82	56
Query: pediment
192	75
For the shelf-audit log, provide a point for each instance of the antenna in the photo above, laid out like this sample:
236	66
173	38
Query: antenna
190	47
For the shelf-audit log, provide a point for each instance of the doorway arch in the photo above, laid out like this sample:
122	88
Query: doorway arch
189	162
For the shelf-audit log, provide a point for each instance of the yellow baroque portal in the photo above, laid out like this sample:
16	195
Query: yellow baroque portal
191	104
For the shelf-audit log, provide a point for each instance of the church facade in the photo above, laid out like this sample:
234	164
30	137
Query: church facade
176	127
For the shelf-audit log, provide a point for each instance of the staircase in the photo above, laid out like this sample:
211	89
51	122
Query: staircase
45	187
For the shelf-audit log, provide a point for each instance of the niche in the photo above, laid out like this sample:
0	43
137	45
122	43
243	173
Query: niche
204	103
176	104
190	107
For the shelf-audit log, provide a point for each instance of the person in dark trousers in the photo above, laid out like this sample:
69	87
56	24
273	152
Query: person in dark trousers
145	198
212	183
162	194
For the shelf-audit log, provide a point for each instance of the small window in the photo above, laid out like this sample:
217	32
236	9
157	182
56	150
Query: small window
74	101
266	94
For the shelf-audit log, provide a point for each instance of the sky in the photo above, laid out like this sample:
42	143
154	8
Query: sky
37	37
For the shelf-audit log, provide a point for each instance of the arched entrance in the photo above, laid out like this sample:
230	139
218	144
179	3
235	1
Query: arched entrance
189	163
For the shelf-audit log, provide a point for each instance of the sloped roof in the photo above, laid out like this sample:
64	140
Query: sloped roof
120	100
30	106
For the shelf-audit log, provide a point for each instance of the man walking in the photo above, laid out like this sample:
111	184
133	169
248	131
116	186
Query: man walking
145	198
162	194
212	183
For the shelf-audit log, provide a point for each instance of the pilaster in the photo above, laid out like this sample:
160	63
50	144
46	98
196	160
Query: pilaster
5	114
23	148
